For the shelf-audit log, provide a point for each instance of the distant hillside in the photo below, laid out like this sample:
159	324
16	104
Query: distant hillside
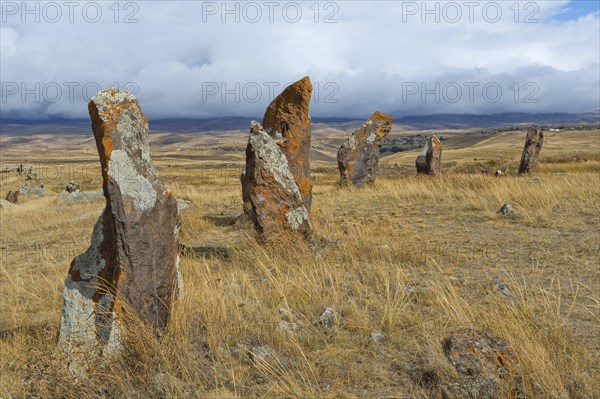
14	127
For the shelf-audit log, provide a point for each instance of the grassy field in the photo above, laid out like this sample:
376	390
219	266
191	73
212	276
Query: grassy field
411	257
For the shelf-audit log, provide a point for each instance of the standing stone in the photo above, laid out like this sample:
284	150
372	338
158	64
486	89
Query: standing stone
358	157
531	152
429	161
13	196
287	121
131	268
271	196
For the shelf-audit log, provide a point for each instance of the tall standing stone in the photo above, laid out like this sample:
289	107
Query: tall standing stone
531	152
132	265
358	157
271	196
429	161
288	123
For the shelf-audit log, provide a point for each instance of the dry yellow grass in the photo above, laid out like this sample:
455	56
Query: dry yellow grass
412	257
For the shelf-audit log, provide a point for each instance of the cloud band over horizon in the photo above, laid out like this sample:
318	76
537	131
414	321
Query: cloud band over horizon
192	59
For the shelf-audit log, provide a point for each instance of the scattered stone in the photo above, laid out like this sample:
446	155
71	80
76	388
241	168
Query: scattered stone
289	323
133	259
81	197
358	157
31	189
377	338
507	209
329	318
499	173
531	151
429	161
287	121
183	203
271	196
482	357
501	287
13	196
290	328
72	186
286	315
254	353
6	204
94	181
31	175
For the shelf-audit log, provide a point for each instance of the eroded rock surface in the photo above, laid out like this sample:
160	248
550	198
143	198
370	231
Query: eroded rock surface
429	161
484	361
72	186
271	196
13	196
131	266
6	204
287	121
531	152
358	157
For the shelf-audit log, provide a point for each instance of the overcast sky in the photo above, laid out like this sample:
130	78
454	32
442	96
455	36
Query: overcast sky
199	60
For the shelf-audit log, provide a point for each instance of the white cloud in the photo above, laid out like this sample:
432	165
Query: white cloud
364	61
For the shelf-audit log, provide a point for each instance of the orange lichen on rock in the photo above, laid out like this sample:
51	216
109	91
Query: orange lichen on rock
358	157
271	196
477	353
132	259
288	122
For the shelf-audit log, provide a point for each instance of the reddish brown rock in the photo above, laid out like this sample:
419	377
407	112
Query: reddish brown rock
358	157
271	196
531	152
131	266
13	196
482	358
287	121
429	161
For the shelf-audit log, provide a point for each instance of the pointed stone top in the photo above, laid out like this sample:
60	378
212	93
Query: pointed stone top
381	118
109	98
255	127
432	142
292	105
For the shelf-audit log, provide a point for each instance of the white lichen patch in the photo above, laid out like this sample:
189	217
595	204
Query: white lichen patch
426	148
268	152
180	289
296	217
83	321
122	169
371	139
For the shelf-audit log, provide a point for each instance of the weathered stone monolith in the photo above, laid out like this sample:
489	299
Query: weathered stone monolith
131	268
429	161
358	157
287	121
531	152
271	196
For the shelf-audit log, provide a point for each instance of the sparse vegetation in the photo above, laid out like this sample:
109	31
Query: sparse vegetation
411	257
